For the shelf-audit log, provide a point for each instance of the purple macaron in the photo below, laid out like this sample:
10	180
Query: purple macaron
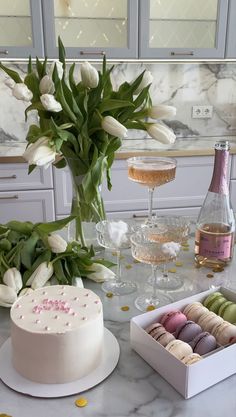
187	331
203	343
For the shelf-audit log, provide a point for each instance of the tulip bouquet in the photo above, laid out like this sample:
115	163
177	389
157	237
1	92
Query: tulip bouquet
83	123
33	255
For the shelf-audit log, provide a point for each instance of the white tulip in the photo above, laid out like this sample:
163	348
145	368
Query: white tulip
100	273
39	153
57	243
10	83
59	66
46	85
161	133
146	80
21	92
12	278
25	291
162	112
113	127
40	276
8	296
50	103
89	75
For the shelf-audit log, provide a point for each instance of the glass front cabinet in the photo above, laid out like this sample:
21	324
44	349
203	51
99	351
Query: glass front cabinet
21	30
90	28
185	29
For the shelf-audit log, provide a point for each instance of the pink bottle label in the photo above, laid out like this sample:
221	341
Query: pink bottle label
219	247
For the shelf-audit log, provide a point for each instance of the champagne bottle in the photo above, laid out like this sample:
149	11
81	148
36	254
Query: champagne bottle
214	240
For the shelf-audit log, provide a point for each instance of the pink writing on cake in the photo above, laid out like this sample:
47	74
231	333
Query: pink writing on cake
52	305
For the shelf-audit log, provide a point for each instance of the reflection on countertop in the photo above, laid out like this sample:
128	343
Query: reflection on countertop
11	152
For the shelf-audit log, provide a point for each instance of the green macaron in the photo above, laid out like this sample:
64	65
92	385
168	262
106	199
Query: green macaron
216	304
230	313
223	307
212	298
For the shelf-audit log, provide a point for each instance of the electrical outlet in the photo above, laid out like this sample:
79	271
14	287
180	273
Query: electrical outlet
202	112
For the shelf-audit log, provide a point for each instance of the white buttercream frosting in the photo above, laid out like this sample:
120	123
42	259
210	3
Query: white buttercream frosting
57	333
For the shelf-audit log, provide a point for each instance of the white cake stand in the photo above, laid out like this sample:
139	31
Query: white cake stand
12	379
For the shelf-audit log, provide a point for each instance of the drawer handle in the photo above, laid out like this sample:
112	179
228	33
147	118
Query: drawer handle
12	177
4	52
12	197
92	53
191	53
139	216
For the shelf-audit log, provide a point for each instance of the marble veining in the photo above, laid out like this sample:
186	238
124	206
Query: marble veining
180	84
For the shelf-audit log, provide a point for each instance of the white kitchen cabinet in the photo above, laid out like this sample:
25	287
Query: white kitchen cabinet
233	183
26	197
183	196
21	29
183	28
90	29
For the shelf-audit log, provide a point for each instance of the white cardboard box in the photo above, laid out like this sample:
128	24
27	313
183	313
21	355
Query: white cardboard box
187	380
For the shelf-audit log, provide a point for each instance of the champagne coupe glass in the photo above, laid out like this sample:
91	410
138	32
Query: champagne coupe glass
106	240
154	253
169	229
151	172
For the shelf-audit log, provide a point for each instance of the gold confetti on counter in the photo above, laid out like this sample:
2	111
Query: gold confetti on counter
210	276
186	249
125	308
114	253
150	308
81	402
135	261
185	245
178	263
218	269
109	294
4	415
172	270
128	266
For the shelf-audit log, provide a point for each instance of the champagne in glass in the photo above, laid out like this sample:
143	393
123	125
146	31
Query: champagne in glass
151	172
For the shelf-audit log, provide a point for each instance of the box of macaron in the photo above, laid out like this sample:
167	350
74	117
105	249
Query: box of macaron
192	342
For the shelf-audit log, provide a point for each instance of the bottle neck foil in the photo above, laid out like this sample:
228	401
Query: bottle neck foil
219	183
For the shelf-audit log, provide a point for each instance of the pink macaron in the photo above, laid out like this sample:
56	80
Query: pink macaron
172	320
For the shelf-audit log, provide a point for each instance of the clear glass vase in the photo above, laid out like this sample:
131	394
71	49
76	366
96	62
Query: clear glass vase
87	204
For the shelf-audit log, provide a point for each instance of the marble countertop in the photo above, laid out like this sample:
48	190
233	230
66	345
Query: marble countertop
134	388
11	152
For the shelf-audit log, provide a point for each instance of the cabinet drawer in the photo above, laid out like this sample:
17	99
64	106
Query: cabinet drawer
35	206
193	175
233	169
16	177
233	194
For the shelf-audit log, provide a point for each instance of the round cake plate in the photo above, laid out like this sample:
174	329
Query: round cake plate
10	377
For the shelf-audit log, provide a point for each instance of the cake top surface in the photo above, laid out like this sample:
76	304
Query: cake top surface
56	309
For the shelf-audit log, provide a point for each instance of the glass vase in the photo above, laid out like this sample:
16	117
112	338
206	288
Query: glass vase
87	205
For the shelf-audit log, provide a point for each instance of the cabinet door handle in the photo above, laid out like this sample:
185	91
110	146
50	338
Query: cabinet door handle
92	53
11	197
4	52
12	177
191	53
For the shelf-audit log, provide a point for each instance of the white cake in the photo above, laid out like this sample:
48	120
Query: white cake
57	334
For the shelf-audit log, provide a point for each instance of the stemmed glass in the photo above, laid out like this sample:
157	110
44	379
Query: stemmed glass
108	241
151	172
169	229
148	251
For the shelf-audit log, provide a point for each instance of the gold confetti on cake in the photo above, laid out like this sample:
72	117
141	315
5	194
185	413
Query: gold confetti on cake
109	294
150	308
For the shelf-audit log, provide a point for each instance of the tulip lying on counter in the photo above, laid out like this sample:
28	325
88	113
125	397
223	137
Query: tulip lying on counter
33	255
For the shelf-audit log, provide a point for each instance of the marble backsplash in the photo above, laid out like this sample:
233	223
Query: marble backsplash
180	84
